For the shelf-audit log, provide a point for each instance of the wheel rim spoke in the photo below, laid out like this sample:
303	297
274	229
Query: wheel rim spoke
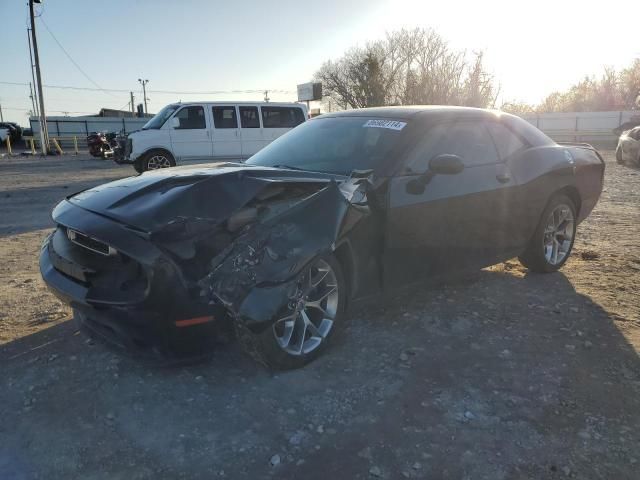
558	234
312	311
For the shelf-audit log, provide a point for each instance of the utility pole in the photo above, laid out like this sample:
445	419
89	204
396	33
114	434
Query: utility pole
34	99
133	107
1	117
44	134
144	93
266	95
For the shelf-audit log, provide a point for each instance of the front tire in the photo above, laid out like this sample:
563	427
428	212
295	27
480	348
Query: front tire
304	328
156	159
552	242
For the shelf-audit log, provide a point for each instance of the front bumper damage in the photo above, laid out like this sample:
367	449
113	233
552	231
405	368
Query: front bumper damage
190	286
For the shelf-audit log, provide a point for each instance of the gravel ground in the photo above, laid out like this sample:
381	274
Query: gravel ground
501	374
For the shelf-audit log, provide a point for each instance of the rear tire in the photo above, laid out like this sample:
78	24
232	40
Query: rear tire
552	242
306	326
156	159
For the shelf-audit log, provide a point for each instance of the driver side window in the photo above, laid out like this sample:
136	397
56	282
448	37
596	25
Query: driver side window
467	139
191	118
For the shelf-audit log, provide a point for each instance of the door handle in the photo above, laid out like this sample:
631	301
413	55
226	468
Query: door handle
503	177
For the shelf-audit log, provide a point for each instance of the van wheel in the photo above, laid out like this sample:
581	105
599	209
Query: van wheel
156	159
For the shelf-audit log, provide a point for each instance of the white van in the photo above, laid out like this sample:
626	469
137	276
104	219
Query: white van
209	131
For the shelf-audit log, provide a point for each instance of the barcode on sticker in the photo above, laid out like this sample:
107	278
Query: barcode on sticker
390	124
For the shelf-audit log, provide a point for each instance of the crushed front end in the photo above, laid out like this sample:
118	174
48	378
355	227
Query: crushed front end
172	284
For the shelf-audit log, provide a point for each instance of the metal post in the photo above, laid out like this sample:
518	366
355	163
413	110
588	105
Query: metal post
44	134
75	144
9	145
144	93
133	107
1	117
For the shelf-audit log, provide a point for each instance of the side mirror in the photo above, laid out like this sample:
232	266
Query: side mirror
175	122
446	164
443	164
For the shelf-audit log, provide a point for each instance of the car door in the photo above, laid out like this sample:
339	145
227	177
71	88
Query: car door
225	133
446	222
251	132
189	133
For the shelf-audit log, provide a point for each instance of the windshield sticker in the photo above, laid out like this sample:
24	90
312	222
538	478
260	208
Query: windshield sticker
390	124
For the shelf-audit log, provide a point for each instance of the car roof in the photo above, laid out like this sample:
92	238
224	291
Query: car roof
435	113
407	112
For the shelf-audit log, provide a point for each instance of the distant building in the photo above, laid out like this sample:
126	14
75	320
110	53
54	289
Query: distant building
110	112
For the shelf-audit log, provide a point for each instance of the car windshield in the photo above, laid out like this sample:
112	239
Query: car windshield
159	118
333	145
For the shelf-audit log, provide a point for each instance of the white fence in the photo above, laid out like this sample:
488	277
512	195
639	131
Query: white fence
594	127
82	126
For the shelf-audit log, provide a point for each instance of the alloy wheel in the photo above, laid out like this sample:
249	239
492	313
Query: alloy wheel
312	311
158	161
558	234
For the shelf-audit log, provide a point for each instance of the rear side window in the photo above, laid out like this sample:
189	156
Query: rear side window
507	142
469	140
249	117
191	118
281	117
225	117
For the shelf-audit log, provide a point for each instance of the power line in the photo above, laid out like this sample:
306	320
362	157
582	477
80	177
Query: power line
168	92
70	58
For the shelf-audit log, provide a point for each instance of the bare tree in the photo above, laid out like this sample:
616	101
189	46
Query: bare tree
517	108
613	91
407	67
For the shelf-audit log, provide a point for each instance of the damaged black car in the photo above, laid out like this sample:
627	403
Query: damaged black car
342	207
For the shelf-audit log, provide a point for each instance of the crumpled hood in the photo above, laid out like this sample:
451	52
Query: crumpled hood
213	192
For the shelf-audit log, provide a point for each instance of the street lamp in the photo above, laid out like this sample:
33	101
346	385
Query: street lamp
144	92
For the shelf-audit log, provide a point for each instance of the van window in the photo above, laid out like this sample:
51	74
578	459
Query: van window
225	117
191	118
249	117
281	117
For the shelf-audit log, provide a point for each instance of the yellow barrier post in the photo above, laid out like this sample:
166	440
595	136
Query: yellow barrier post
33	146
75	144
9	145
57	145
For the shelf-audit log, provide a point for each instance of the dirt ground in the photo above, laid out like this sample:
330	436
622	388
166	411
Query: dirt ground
499	375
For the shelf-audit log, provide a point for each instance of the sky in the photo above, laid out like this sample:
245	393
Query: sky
531	48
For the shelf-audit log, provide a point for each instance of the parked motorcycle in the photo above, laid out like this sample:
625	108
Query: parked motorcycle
99	145
106	144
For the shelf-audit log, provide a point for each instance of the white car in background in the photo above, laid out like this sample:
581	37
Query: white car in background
628	149
209	131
